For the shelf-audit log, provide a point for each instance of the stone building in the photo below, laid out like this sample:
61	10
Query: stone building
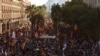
92	3
12	12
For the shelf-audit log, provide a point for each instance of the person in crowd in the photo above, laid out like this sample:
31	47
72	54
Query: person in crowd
66	43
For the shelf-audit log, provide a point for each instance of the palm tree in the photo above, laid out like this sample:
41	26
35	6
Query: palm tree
36	15
30	10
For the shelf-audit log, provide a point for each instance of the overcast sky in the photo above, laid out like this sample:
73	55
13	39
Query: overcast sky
38	2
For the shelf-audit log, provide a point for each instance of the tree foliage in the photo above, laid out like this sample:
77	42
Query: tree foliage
80	14
56	12
33	11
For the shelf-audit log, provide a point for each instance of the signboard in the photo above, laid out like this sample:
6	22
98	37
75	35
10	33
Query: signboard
13	35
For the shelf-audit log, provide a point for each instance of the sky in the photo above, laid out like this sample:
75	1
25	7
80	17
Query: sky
38	2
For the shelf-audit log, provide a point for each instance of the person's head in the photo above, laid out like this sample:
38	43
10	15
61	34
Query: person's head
80	53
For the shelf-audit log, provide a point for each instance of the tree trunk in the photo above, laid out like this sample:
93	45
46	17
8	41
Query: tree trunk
32	26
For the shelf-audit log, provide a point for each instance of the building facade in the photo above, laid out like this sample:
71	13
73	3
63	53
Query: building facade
93	3
77	0
90	2
12	12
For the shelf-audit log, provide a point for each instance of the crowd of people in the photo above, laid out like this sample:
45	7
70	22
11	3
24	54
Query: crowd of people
67	43
77	44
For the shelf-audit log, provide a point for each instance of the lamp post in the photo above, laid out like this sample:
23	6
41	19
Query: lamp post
57	27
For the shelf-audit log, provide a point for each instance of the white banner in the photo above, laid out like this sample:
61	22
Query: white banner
46	36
